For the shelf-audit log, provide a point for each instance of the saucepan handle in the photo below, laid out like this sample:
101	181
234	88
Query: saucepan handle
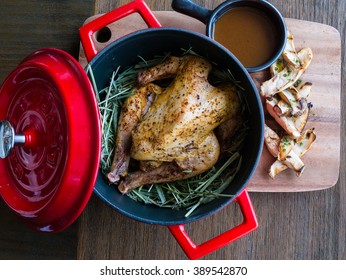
87	31
191	9
194	251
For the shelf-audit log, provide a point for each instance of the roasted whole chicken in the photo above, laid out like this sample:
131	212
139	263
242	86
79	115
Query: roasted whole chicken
171	131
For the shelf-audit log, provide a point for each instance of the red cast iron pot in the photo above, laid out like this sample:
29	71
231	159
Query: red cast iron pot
159	41
48	98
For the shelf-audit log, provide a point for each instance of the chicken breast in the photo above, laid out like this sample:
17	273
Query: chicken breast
174	138
183	116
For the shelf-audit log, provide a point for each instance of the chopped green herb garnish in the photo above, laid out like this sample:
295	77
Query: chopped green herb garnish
298	82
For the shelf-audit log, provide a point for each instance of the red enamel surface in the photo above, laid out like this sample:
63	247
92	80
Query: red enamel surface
194	251
87	31
49	179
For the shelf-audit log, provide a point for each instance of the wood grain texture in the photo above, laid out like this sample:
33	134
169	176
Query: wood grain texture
322	161
310	225
302	225
20	243
24	27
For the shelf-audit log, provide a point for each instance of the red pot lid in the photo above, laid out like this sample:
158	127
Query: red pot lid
49	179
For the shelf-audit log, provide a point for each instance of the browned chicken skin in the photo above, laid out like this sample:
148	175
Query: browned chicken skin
173	136
132	110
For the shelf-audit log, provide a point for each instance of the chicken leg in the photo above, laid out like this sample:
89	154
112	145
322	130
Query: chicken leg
197	161
132	110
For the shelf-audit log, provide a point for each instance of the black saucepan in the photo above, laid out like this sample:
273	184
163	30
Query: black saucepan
210	17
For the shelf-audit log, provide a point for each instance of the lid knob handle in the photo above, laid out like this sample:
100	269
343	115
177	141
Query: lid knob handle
8	138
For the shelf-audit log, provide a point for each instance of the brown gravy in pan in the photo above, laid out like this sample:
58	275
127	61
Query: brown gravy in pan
248	33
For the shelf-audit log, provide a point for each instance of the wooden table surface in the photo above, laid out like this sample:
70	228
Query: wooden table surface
303	225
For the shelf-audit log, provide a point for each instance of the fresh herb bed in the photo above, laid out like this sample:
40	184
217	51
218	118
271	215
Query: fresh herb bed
188	193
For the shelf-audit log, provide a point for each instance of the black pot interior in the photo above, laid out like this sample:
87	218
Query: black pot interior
147	44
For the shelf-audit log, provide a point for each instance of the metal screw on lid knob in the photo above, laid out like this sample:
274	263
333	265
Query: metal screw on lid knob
8	138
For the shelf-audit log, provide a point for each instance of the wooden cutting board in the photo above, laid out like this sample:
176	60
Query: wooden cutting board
322	161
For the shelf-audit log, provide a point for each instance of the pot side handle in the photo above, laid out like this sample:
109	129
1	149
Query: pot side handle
194	251
87	31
